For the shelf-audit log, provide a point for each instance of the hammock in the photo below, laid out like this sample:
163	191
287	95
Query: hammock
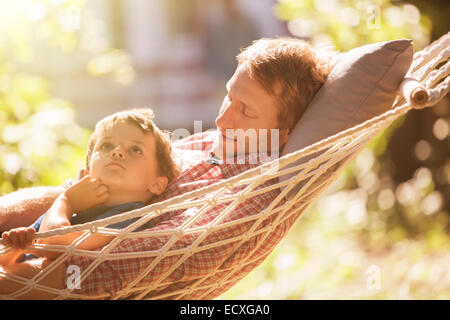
425	84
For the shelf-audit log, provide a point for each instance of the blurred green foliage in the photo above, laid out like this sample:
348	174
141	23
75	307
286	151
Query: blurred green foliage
40	142
345	24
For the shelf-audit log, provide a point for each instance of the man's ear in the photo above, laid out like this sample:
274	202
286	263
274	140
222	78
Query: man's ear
159	185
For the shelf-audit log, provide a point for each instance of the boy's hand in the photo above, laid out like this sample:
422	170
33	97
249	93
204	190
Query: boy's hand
81	174
19	238
86	193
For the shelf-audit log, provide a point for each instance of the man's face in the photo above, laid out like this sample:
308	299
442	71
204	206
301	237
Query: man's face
124	159
248	119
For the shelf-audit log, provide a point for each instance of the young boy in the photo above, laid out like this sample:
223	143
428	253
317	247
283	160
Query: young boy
128	162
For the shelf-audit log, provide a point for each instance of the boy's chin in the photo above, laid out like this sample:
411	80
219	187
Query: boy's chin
117	185
112	182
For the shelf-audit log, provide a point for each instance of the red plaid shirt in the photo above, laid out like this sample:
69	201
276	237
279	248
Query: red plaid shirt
198	170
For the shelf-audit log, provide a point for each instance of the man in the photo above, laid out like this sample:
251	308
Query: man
274	82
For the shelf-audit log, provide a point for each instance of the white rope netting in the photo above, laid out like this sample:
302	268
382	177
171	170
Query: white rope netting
425	84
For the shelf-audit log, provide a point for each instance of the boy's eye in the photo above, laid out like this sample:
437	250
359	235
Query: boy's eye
106	146
136	149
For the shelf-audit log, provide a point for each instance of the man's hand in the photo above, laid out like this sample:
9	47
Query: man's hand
86	193
19	238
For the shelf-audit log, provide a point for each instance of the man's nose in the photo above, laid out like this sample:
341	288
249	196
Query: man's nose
225	119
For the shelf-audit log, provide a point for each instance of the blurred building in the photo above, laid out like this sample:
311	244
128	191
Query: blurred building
182	53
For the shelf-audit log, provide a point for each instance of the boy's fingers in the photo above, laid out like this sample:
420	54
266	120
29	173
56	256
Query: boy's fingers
5	237
29	236
87	178
93	182
67	183
10	240
14	239
81	174
83	180
22	240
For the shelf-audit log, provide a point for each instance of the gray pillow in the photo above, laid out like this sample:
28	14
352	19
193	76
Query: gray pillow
362	84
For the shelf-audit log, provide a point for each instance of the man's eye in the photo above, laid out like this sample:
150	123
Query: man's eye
246	111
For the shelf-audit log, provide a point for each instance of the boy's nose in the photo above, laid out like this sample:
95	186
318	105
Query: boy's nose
118	153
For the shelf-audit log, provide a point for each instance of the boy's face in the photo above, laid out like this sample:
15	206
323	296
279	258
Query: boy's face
124	158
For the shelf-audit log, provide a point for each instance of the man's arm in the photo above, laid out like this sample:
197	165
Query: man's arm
29	269
23	207
10	257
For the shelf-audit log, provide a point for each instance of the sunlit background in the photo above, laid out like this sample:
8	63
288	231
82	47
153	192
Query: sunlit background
380	232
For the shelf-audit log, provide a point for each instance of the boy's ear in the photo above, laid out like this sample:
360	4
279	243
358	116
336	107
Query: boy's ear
159	185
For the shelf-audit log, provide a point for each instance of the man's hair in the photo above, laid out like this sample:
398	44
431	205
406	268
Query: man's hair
289	70
143	119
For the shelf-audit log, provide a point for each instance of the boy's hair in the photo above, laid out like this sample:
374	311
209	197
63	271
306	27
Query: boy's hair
143	119
289	70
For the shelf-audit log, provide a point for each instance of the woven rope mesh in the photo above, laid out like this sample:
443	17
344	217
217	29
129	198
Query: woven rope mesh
317	166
